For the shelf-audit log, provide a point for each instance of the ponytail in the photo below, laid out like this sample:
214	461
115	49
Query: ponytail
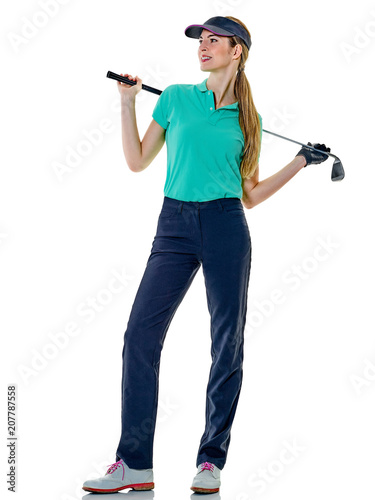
248	115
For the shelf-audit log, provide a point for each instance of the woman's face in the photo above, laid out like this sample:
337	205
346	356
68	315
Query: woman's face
214	51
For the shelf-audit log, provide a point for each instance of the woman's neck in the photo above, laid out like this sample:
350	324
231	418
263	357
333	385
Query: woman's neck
222	86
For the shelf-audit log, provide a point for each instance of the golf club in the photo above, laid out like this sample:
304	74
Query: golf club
337	169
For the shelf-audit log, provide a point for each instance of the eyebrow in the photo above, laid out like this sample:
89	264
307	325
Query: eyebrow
208	36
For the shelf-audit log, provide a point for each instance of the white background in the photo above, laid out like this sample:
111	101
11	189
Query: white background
309	368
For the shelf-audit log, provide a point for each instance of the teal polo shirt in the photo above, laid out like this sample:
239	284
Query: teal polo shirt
204	145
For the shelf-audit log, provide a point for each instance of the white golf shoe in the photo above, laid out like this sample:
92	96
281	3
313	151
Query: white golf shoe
119	477
207	479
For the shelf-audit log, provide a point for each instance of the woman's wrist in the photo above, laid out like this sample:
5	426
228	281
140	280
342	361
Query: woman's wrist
127	101
301	160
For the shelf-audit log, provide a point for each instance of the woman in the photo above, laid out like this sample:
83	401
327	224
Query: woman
213	136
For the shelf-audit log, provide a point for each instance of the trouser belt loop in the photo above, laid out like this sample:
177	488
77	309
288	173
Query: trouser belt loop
220	204
180	207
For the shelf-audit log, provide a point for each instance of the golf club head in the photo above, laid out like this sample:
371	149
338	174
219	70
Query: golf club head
337	170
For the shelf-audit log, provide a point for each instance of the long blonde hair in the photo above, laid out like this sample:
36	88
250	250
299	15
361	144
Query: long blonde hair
248	115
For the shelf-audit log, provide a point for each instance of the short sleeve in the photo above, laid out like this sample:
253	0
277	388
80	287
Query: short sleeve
162	109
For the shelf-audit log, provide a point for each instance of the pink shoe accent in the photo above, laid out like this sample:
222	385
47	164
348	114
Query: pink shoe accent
208	466
114	467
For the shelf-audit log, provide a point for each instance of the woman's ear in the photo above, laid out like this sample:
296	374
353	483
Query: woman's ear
237	51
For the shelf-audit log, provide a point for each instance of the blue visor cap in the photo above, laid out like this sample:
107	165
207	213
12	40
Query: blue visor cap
220	26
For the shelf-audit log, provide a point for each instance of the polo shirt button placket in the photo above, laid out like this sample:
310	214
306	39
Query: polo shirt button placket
213	115
209	93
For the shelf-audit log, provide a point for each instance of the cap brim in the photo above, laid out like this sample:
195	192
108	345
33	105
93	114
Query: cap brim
195	30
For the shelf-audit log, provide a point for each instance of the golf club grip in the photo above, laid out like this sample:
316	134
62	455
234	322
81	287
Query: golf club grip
123	79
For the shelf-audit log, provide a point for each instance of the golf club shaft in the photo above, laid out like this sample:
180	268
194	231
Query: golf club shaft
301	143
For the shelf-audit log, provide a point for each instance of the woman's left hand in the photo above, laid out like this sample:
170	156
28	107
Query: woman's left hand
312	156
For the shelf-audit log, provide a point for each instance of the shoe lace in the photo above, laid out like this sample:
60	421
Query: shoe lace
208	466
113	467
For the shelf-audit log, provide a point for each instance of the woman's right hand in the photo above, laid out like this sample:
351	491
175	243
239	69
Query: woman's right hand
128	92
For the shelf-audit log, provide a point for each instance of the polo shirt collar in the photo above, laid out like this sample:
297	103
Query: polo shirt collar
203	88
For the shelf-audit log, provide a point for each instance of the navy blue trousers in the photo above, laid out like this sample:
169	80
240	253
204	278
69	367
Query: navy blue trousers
213	234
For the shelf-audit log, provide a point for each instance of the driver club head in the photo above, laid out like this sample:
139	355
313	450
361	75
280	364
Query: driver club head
337	170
